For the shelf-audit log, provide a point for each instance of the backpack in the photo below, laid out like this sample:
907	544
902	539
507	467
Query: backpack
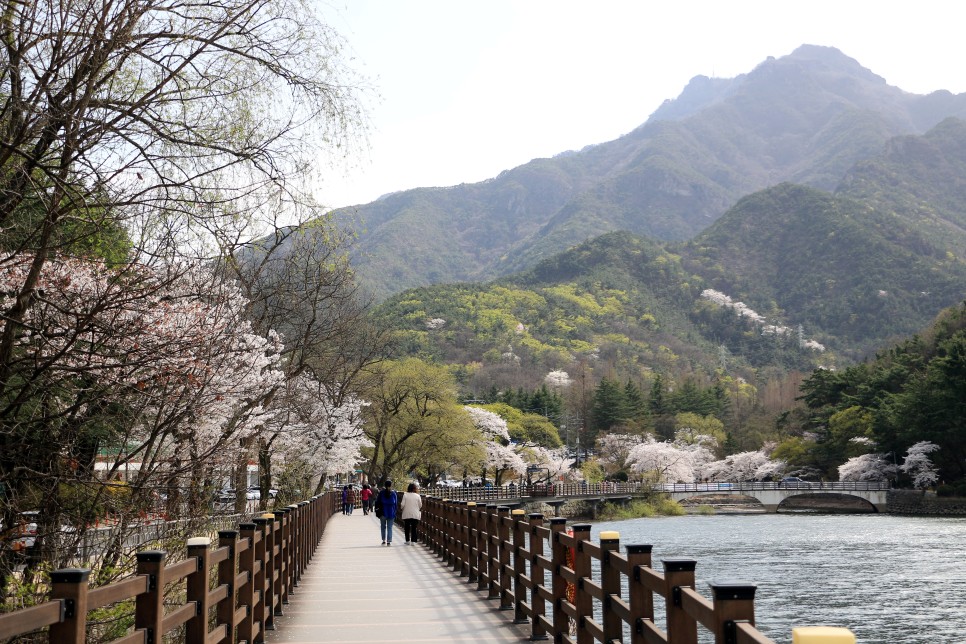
378	506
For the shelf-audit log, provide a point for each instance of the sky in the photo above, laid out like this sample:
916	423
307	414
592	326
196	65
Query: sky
464	89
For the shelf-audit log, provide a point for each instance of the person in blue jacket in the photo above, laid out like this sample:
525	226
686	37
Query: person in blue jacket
386	511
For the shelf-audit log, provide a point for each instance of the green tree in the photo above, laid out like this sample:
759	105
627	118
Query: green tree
415	422
689	426
608	407
526	429
635	403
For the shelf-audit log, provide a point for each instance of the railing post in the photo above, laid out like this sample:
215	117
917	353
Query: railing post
678	574
537	605
281	559
519	566
452	533
295	517
610	583
442	530
492	551
197	587
641	599
225	614
247	590
70	586
301	534
482	532
559	584
431	533
263	573
503	550
733	602
582	569
472	545
462	549
292	564
440	548
149	606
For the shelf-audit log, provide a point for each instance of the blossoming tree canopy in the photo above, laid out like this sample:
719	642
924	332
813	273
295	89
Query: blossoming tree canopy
500	454
138	365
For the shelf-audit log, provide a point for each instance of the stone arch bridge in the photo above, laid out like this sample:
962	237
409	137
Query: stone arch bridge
852	496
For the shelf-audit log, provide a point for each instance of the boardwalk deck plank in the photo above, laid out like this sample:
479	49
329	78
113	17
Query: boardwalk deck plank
357	590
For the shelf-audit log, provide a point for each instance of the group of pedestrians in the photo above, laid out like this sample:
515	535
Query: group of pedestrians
387	504
349	499
409	508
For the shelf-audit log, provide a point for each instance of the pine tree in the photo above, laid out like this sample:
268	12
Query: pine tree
608	406
635	404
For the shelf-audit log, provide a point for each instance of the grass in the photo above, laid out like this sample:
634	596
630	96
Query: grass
640	508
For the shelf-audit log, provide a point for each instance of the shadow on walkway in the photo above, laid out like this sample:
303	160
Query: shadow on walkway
357	590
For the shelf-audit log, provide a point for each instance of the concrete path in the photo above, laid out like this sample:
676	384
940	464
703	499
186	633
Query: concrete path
357	590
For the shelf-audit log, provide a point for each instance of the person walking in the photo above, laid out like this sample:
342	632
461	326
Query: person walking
386	504
345	499
351	500
366	496
411	509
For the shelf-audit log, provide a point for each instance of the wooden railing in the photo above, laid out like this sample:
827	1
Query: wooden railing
545	576
254	569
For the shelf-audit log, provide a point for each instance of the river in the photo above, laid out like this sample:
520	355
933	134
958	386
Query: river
890	579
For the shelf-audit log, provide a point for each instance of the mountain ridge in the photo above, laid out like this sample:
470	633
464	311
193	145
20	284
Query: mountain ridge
807	117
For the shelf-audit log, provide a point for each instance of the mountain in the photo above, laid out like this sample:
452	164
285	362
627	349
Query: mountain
807	118
791	276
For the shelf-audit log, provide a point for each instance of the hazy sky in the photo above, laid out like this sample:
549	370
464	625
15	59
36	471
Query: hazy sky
469	88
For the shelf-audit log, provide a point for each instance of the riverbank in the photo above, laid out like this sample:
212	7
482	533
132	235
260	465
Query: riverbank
922	503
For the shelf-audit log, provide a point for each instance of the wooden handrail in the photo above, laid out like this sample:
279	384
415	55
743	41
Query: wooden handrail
507	556
255	574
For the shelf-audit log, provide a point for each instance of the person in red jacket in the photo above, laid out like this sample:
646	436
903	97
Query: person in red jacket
366	496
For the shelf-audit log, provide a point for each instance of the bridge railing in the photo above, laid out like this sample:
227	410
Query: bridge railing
254	568
608	488
544	574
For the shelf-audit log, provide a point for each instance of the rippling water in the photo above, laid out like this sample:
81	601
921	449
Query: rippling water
889	579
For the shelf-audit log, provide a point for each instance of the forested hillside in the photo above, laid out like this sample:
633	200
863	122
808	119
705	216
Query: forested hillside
914	391
855	276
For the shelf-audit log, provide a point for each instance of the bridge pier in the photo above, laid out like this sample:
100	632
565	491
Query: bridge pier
555	504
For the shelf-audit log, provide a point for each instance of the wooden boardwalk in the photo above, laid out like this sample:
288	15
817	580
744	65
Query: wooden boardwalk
357	590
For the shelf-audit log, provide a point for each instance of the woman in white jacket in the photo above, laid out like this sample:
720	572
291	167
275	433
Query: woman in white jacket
411	506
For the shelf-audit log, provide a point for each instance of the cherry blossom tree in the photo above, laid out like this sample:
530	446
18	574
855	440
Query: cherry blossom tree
918	466
668	462
867	467
744	466
154	372
501	456
614	450
558	380
312	438
556	461
298	282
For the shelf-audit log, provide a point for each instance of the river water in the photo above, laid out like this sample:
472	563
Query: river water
890	579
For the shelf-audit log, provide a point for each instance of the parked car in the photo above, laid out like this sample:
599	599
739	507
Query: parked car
793	482
24	534
255	493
